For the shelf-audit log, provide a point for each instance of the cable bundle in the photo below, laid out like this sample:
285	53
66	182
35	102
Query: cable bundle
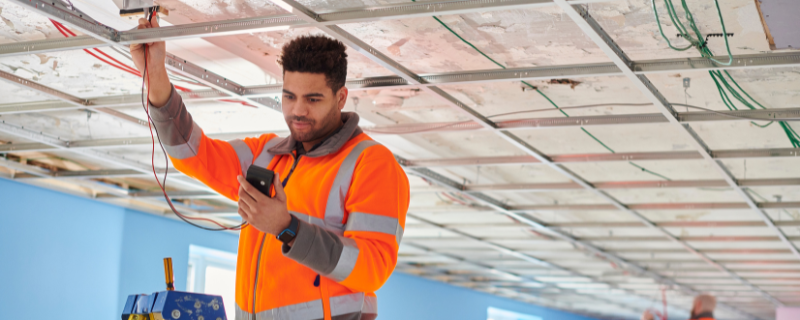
724	87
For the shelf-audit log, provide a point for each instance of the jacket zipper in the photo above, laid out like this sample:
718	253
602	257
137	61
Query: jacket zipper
264	238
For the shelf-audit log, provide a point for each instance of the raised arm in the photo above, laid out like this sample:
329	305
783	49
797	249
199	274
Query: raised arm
214	162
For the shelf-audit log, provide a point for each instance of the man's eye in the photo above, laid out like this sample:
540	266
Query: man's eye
288	97
315	100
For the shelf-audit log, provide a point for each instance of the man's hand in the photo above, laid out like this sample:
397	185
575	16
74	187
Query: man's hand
647	315
160	87
268	215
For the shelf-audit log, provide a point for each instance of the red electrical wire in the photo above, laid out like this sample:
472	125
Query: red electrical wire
64	31
153	153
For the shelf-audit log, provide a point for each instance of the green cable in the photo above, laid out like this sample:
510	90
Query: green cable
660	29
540	93
722	84
648	171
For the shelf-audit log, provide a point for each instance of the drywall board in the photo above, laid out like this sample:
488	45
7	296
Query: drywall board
464	217
712	245
551	216
519	38
268	46
77	125
413	233
633	26
477	176
209	10
21	24
11	94
771	87
651	137
780	17
764	168
497	98
475	143
216	117
674	195
772	194
611	232
401	106
220	61
74	72
744	135
565	197
625	171
701	215
722	232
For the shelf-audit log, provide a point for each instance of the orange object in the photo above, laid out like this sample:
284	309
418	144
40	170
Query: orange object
170	279
350	196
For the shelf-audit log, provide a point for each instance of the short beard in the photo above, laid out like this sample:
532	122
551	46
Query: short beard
329	124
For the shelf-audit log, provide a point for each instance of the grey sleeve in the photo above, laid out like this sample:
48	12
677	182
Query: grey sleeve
323	251
178	132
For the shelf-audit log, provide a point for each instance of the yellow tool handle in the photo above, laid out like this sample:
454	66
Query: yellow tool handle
168	274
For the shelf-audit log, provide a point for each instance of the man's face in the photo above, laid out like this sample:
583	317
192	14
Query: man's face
311	109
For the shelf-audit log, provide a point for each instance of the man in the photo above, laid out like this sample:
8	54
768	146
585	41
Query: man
340	198
702	309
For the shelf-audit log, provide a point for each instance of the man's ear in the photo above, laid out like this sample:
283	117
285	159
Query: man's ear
341	97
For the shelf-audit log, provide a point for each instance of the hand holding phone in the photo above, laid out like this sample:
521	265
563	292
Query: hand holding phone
261	179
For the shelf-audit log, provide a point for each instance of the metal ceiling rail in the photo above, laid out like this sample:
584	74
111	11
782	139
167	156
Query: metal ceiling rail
537	187
606	43
671	224
78	102
501	207
529	279
85	24
60	144
107	101
658	206
107	191
636	240
248	25
520	255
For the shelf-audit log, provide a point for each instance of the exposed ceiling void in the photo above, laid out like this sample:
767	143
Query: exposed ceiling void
543	237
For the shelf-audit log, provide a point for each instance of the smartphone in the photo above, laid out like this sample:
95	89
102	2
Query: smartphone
261	178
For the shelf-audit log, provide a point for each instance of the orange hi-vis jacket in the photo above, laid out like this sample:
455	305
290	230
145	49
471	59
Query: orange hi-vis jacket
348	193
703	316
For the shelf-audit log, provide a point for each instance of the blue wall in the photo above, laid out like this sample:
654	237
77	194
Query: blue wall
77	258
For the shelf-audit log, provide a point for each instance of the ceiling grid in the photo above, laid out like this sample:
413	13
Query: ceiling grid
579	277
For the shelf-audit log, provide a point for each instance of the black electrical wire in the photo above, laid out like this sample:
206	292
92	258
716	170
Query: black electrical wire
163	185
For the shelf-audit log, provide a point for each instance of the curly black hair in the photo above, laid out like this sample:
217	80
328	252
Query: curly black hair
316	54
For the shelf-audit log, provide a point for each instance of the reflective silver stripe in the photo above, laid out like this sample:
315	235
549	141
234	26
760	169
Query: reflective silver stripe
317	222
311	310
241	314
334	208
347	260
264	158
345	304
244	153
370	305
188	149
359	221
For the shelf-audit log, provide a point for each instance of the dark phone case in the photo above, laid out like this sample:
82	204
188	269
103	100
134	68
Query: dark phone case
261	179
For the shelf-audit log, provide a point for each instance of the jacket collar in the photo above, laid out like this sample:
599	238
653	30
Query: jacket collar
330	145
707	314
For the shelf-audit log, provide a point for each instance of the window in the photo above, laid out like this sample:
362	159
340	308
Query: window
213	272
500	314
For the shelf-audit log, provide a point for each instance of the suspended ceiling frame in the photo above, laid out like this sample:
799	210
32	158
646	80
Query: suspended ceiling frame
627	68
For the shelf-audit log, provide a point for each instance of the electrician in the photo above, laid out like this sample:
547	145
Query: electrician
328	239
